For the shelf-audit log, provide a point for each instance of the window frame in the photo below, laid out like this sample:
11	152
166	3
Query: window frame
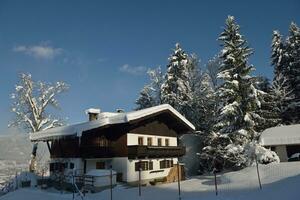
167	142
140	140
149	141
159	142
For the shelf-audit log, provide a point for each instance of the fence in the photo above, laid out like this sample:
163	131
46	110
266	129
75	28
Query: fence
229	185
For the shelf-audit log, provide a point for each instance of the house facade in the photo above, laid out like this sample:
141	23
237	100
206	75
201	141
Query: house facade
139	144
284	140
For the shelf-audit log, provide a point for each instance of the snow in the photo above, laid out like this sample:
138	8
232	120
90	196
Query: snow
100	172
106	118
92	110
279	181
281	135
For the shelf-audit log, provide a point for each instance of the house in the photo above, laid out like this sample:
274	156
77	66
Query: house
284	140
145	140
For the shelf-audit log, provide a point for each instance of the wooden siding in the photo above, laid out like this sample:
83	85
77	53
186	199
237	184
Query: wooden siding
154	128
89	147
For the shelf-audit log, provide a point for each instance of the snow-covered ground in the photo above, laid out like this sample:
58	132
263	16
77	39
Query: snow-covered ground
280	181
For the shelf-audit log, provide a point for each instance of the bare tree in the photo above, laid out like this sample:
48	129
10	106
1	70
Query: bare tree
31	101
281	92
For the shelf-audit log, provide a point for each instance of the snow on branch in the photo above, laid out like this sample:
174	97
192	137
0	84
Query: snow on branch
31	100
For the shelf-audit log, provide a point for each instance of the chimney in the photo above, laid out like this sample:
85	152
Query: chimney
93	113
119	110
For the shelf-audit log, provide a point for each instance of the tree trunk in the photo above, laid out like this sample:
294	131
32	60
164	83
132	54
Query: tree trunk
32	163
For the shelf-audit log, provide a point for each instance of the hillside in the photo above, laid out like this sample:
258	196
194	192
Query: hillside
15	151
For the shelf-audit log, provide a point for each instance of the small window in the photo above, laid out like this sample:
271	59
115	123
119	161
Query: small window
166	164
140	140
167	142
273	148
149	141
102	141
100	165
71	165
159	142
144	165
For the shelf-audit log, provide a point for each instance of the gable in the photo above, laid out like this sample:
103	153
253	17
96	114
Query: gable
154	128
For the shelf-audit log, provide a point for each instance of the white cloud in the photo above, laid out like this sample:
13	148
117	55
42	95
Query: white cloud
138	70
42	51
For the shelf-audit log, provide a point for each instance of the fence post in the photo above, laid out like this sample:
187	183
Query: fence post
257	170
111	182
16	178
178	180
140	169
216	183
73	181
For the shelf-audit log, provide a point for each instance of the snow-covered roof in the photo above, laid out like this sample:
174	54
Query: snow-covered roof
107	118
281	135
100	172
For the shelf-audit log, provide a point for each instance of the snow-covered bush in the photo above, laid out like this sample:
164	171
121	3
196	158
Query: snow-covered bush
254	151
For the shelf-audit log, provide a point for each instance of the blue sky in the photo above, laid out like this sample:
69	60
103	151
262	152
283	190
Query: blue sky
103	48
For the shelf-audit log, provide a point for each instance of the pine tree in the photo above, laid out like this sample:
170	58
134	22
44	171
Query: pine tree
269	112
239	97
150	95
145	100
175	89
293	72
278	54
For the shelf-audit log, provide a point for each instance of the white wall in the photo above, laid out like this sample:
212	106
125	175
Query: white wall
282	153
133	175
132	139
91	163
119	164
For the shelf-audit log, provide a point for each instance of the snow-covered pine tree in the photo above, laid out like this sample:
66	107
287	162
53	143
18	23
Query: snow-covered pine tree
269	112
175	89
146	99
150	95
278	54
238	94
293	72
31	101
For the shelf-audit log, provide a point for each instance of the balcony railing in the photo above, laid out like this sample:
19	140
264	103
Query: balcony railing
137	151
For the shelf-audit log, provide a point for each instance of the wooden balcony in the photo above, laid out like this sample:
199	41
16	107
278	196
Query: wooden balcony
136	151
93	151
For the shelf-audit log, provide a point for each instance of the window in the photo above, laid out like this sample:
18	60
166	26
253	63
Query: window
159	142
144	165
71	165
102	141
273	148
167	142
166	164
100	165
140	140
51	167
149	141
